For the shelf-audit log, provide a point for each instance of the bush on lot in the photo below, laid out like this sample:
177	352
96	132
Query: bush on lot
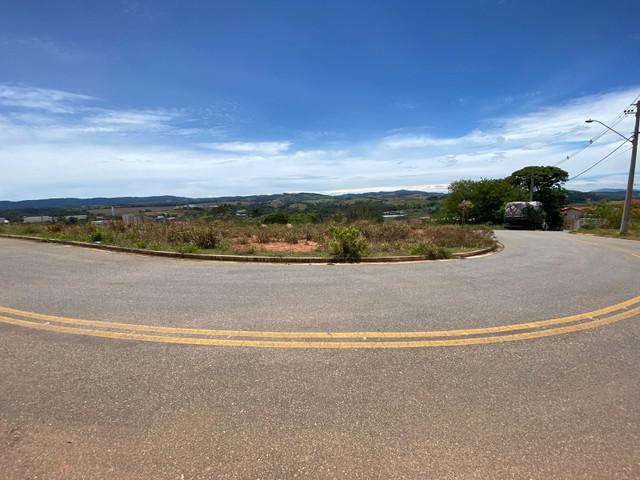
187	248
347	244
291	237
429	250
609	215
385	232
54	228
96	236
276	217
453	236
205	237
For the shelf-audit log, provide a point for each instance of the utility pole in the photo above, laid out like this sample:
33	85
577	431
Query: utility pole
626	213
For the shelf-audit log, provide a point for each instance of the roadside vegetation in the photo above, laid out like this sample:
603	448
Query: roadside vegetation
347	241
604	219
483	201
346	227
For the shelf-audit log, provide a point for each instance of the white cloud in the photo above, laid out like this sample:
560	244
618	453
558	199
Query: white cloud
133	118
258	148
55	101
416	141
37	114
90	152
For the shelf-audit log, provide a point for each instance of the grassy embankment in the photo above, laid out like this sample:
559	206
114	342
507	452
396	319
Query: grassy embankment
609	217
633	234
227	237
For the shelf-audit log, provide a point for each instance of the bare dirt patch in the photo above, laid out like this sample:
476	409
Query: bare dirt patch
300	247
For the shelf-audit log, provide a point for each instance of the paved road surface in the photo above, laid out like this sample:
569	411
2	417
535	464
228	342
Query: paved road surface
562	406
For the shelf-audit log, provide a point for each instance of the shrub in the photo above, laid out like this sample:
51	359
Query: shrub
263	235
453	236
28	230
609	215
347	244
385	247
186	248
205	237
429	250
291	237
276	217
95	236
386	232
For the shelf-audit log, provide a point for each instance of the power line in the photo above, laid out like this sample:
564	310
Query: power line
613	123
600	161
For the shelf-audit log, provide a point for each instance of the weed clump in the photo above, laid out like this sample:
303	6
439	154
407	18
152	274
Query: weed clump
347	244
96	237
429	250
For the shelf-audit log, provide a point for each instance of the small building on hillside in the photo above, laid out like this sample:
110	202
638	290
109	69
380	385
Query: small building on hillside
394	215
38	219
3	221
573	217
132	218
75	218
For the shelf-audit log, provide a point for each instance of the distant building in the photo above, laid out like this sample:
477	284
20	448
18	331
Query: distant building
38	219
132	218
3	221
578	217
571	218
394	215
76	218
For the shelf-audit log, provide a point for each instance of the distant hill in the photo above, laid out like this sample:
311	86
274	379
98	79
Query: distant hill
98	202
393	194
576	196
93	202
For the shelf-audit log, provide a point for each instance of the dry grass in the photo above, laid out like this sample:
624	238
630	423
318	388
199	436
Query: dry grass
390	238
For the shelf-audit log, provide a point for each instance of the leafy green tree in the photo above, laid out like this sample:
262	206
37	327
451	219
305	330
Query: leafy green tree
487	199
547	188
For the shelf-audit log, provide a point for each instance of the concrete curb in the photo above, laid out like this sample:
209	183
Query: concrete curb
248	258
619	237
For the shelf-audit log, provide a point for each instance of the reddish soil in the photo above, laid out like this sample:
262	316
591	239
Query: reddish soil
300	247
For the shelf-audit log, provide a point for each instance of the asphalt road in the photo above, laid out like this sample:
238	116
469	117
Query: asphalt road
566	405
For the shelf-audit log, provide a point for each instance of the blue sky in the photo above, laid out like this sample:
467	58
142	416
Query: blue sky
215	98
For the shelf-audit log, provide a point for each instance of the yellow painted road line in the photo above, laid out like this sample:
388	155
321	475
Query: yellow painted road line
321	335
335	345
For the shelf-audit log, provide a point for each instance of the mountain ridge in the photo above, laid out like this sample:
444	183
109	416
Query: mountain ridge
575	196
102	202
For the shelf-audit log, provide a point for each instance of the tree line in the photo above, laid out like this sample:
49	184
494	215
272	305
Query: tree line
483	201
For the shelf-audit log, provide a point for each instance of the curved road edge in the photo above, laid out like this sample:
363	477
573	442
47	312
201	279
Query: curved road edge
249	258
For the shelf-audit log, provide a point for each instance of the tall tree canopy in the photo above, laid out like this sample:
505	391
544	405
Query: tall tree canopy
487	199
547	188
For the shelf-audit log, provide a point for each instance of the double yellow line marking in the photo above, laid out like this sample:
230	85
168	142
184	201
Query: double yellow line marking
302	339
